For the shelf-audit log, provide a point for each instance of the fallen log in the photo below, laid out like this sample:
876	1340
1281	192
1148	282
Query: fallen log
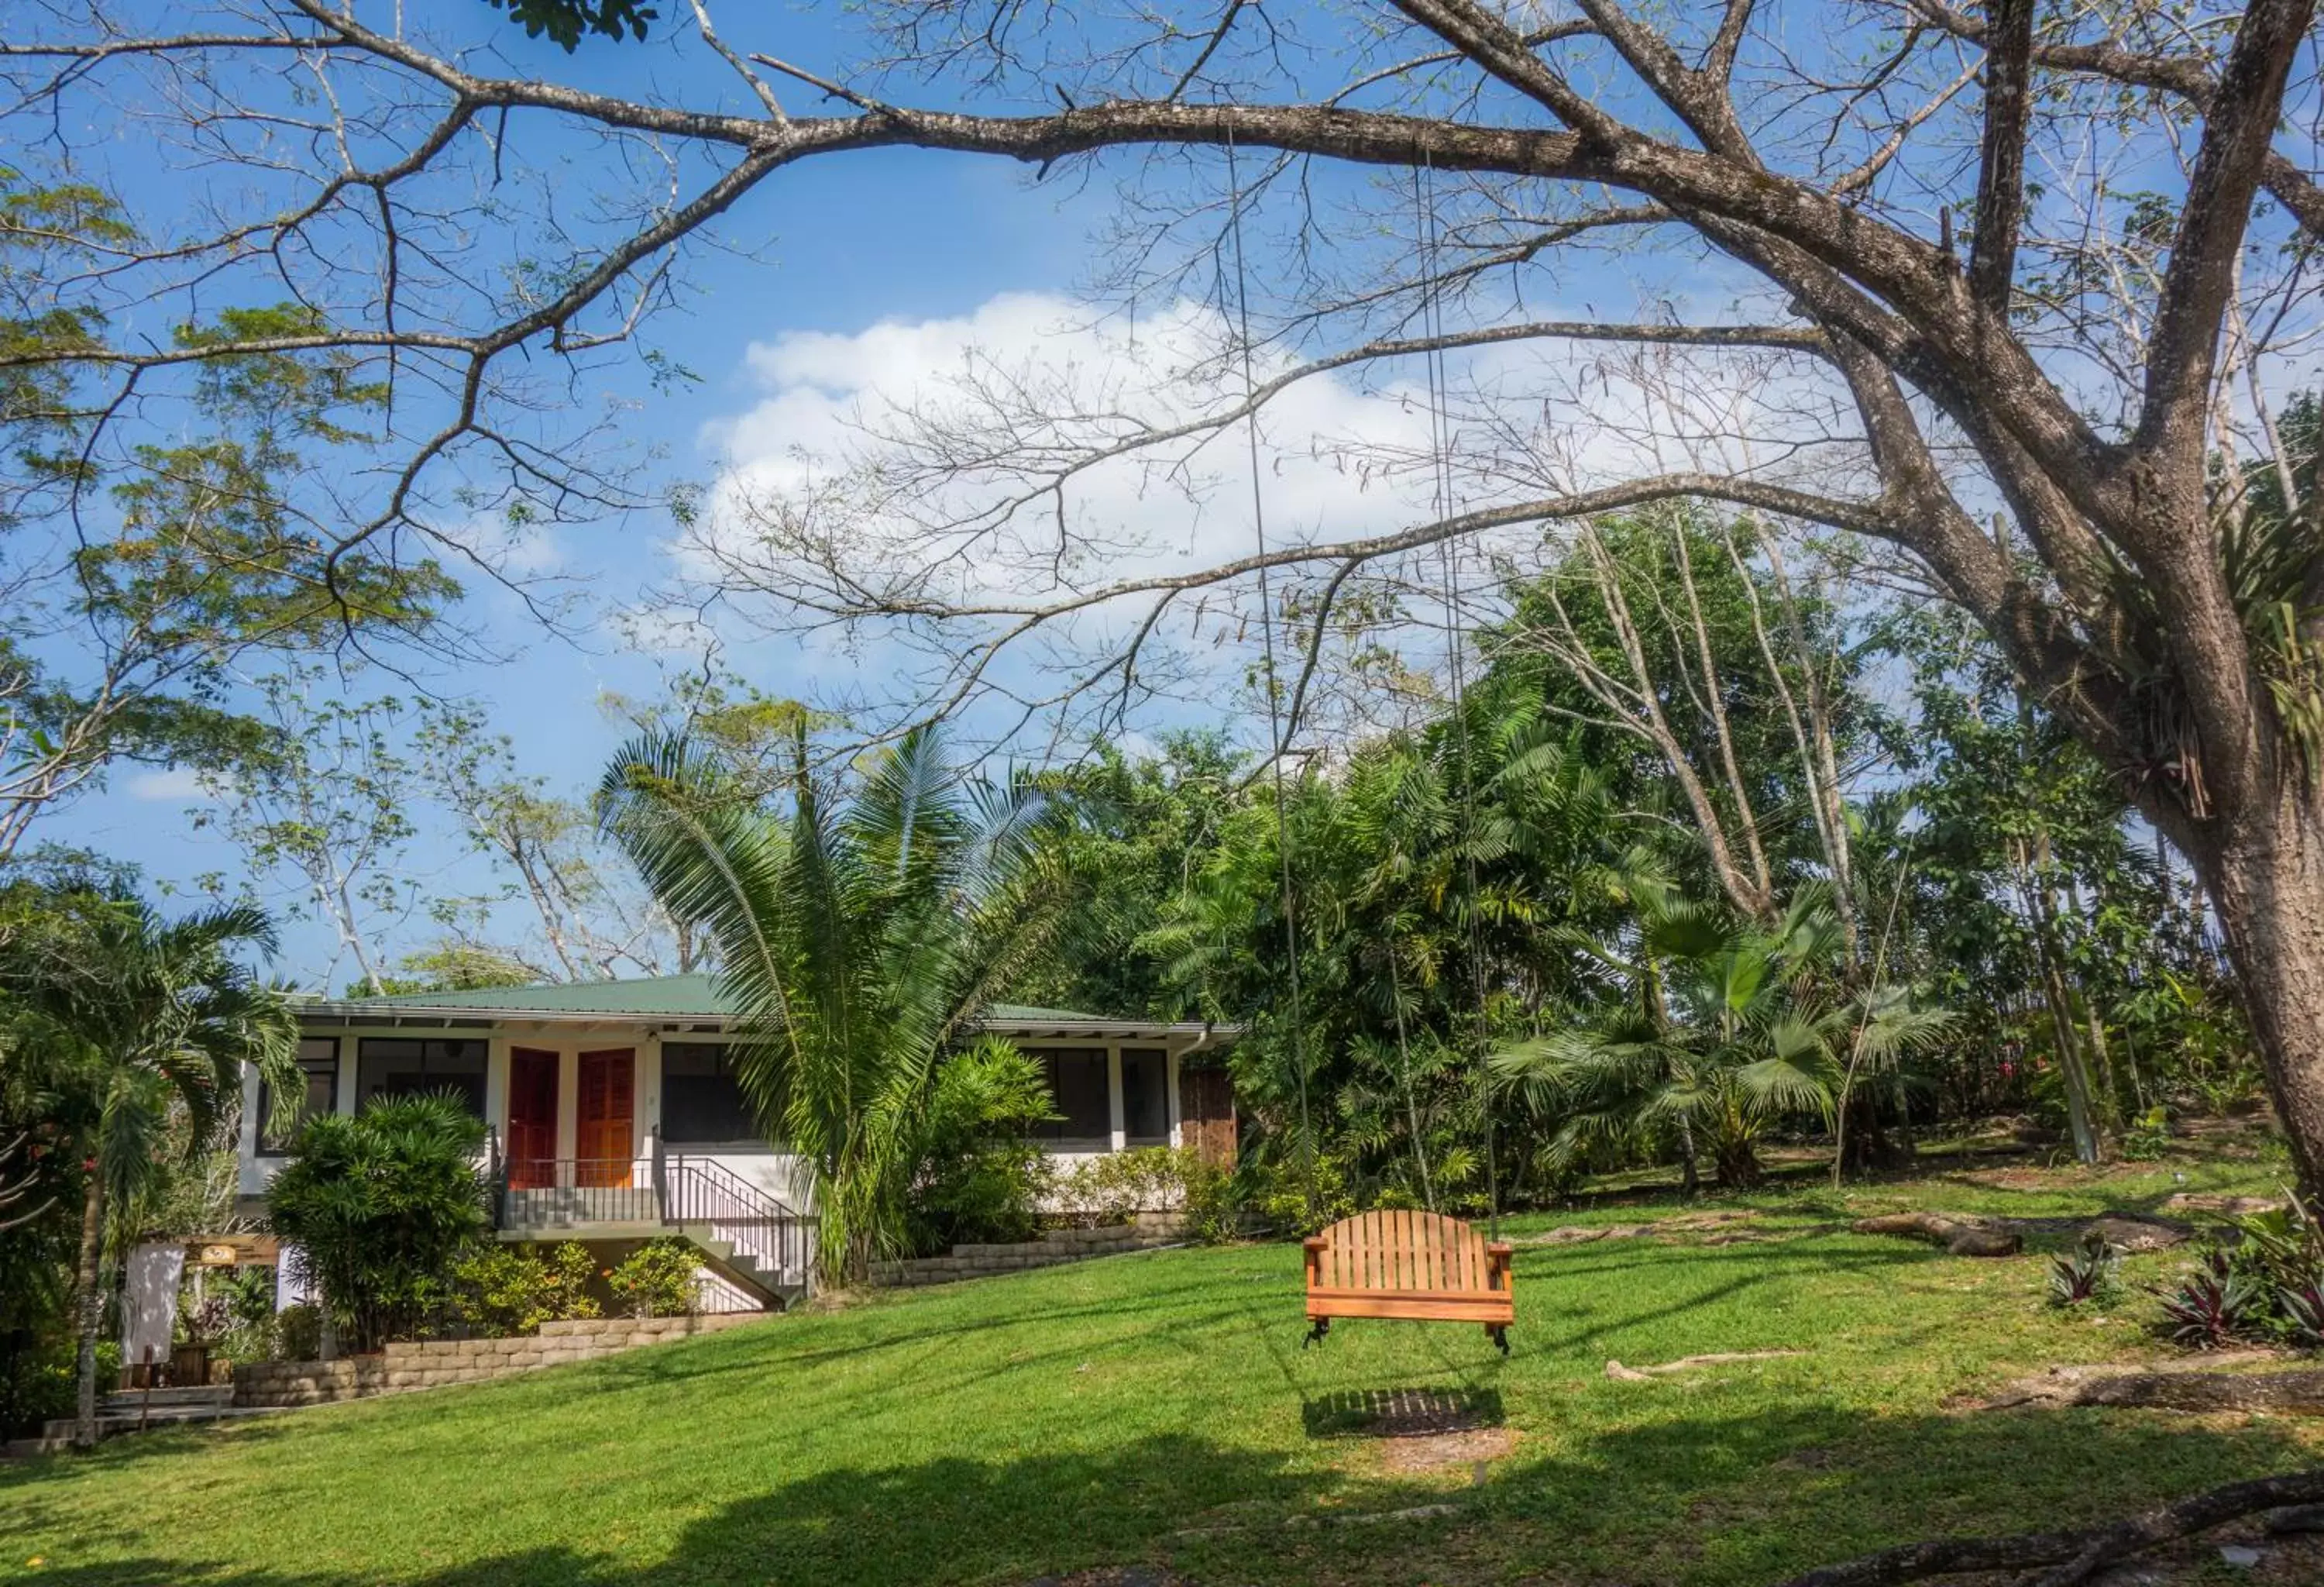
2299	1392
1967	1235
2077	1555
1963	1237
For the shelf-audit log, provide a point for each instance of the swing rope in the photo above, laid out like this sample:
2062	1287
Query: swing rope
1440	437
1275	732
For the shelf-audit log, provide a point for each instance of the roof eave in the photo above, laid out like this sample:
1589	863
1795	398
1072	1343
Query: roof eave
341	1012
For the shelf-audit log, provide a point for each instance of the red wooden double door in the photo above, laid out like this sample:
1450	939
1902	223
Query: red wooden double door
604	1117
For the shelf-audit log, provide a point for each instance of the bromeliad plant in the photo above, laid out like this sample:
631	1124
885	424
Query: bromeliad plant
2215	1306
2091	1271
858	939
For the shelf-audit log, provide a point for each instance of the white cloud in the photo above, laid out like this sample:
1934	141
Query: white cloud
174	785
916	454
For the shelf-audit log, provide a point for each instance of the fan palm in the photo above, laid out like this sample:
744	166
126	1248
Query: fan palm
145	1025
856	940
1728	1027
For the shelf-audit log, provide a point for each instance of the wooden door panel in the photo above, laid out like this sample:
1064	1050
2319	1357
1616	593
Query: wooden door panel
604	1137
532	1118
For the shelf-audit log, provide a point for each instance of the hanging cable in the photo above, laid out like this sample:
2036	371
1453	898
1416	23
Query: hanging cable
1440	437
1275	732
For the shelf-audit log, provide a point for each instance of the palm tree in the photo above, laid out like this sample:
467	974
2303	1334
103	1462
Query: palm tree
145	1025
1726	1027
857	942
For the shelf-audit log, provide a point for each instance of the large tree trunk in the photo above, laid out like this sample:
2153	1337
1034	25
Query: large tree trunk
89	1306
2264	873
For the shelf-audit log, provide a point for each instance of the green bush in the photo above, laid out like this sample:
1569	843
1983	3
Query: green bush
299	1332
383	1207
503	1290
658	1279
978	1176
2148	1137
1113	1188
1213	1200
1290	1199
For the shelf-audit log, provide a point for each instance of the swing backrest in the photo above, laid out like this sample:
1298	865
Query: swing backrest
1407	1264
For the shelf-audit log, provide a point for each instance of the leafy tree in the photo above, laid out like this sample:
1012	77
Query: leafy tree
143	1027
858	937
1141	829
122	644
1414	882
326	803
977	1173
1726	1027
383	1207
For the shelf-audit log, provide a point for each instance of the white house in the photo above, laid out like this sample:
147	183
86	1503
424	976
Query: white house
614	1117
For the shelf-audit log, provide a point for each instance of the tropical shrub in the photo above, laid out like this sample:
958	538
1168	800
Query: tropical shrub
1291	1197
504	1290
2092	1271
2215	1307
299	1332
1728	1028
2304	1315
2149	1136
857	937
660	1278
980	1176
1112	1188
383	1208
1213	1200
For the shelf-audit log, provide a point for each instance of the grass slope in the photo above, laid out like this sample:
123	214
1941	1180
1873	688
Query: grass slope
1159	1408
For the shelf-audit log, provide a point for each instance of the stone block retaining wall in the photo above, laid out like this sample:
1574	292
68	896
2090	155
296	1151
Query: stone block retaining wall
1146	1230
425	1365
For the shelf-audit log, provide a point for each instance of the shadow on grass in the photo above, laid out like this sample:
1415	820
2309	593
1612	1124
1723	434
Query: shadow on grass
1400	1412
1676	1494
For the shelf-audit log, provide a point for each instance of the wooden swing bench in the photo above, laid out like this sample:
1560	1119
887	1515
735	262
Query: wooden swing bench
1418	1267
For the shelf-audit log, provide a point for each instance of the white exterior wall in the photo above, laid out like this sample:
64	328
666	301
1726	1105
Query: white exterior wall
776	1173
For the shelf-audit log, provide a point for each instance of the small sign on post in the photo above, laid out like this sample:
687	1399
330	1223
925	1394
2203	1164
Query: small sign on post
218	1256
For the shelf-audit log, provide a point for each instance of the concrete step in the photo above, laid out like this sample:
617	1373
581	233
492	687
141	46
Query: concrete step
110	1422
128	1400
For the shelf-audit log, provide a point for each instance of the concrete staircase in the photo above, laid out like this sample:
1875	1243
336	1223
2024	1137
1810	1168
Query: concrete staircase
745	1237
132	1409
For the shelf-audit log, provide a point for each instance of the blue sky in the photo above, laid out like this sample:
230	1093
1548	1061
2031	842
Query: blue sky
844	245
863	269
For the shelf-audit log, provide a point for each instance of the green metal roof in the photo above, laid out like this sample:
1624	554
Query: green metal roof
670	997
675	995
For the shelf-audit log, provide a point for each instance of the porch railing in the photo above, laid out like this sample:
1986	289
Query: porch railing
659	1187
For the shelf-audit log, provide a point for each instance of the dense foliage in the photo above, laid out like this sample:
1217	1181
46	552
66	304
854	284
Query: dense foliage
858	937
382	1206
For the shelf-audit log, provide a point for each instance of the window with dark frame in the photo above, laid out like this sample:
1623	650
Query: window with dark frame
318	1069
1146	1095
393	1067
1077	1080
701	1103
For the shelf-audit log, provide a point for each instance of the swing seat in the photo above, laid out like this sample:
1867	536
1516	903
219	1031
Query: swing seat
1416	1267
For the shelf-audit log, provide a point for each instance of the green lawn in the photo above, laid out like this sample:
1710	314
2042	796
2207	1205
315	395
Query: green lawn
1157	1408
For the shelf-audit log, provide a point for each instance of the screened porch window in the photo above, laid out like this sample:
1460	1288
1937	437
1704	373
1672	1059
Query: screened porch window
1146	1095
393	1067
702	1104
1077	1080
318	1083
